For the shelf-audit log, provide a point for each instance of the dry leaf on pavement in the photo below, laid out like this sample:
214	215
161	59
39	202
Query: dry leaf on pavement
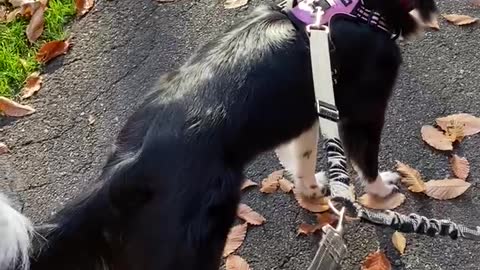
322	220
374	202
410	177
470	123
83	6
12	108
315	205
476	3
270	184
35	27
399	242
460	167
235	238
251	217
460	20
436	138
307	229
52	49
248	183
33	83
446	189
3	148
229	4
285	185
235	262
376	261
433	24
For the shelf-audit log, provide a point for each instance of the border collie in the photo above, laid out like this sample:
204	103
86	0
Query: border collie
169	191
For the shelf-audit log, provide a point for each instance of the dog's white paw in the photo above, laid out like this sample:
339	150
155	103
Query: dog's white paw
314	188
384	185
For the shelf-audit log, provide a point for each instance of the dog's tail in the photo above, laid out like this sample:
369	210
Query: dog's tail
15	237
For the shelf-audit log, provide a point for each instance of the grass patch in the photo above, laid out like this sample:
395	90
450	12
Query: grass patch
17	55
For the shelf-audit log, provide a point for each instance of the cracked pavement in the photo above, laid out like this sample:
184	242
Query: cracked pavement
121	49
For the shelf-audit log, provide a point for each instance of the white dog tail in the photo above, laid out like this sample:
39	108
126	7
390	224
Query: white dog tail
15	234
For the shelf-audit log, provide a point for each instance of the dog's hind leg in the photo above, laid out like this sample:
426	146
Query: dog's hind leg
299	157
362	142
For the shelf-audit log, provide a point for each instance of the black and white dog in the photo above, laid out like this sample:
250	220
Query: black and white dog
169	191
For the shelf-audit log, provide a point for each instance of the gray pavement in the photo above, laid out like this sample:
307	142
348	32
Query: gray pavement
123	46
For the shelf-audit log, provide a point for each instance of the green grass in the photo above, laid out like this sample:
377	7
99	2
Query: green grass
17	55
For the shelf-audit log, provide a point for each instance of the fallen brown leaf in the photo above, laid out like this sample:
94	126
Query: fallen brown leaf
411	177
230	4
436	138
433	24
399	242
35	27
307	229
476	3
235	262
285	185
391	202
251	217
33	83
446	189
3	148
270	184
460	167
52	49
12	108
28	8
460	20
376	261
316	205
248	183
470	123
235	238
83	6
326	218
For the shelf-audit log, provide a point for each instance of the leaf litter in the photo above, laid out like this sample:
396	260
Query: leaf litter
460	166
460	20
399	242
235	262
376	261
235	238
33	83
52	49
410	177
446	189
248	183
14	109
390	202
251	217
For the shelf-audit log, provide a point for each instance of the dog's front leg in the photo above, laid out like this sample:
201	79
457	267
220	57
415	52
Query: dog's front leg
299	157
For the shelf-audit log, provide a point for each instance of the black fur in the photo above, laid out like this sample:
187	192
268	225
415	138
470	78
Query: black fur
169	191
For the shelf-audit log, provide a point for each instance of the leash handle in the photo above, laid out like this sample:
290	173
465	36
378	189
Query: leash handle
331	251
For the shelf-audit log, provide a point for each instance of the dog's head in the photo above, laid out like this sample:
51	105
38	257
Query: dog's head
408	17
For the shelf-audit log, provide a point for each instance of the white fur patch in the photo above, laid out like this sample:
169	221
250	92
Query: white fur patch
383	185
15	234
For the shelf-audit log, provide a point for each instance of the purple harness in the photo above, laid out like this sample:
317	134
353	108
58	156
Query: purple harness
332	8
